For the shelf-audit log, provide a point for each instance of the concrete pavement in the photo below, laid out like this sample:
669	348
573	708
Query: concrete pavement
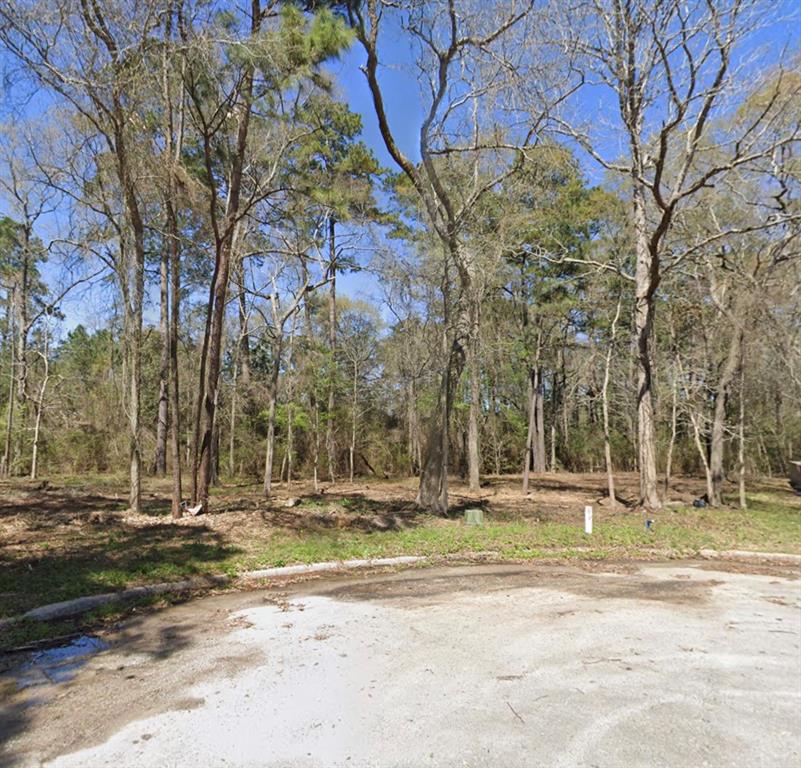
670	664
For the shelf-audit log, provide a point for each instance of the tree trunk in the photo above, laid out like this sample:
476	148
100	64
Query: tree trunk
474	412
314	405
270	446
215	443
290	416
330	446
134	351
287	460
132	281
631	413
564	403
5	461
242	355
610	478
134	267
175	403
173	136
193	442
415	448
160	458
539	432
209	390
496	440
36	428
316	446
702	453
717	440
741	441
354	416
532	420
271	399
22	325
696	433
535	437
40	405
222	276
432	494
433	491
232	431
673	426
244	331
646	274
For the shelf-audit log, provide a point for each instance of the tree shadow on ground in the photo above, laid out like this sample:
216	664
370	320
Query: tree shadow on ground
568	485
51	505
132	653
14	717
345	511
106	559
457	510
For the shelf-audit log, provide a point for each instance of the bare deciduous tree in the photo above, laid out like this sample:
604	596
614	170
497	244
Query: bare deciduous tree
671	68
471	60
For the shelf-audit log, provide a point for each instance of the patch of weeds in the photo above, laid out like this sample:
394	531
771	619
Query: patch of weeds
230	569
315	503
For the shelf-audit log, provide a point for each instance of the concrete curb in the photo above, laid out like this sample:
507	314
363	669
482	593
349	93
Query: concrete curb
738	554
335	565
69	608
80	605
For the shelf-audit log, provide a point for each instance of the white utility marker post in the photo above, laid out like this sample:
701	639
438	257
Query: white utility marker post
587	519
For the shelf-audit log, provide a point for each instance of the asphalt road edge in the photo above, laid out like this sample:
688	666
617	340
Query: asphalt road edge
80	605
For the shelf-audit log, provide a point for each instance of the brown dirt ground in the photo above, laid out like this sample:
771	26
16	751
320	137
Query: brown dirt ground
58	515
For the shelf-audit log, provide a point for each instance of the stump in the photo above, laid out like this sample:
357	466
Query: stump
795	475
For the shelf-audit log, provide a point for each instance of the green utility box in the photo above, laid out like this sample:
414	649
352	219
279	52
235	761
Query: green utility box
474	516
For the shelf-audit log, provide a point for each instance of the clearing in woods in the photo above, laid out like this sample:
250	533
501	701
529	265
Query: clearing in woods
73	536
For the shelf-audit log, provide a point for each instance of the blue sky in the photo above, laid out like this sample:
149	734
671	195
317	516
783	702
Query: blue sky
405	113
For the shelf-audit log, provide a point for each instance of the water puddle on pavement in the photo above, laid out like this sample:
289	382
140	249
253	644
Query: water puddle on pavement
53	666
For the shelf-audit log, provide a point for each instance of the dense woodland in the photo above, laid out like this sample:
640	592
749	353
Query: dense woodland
585	258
